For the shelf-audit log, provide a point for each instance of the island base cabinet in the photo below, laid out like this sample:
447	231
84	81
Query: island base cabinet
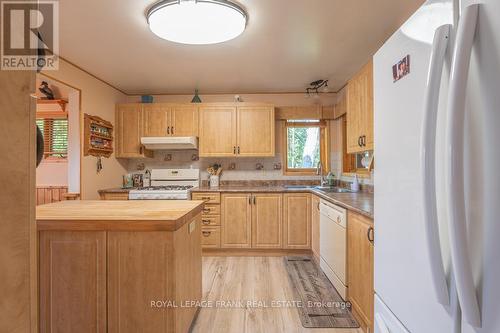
120	281
139	265
72	283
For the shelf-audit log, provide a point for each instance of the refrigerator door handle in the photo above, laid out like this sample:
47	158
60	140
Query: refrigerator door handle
462	268
428	160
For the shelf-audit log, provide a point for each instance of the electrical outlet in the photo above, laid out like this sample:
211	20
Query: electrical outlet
192	226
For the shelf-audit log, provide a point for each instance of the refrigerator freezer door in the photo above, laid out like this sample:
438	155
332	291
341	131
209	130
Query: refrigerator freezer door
402	271
481	161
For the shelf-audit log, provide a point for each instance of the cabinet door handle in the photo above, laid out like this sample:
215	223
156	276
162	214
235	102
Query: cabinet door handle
206	233
172	130
254	200
238	149
359	141
250	200
318	206
168	129
141	150
363	140
370	235
234	150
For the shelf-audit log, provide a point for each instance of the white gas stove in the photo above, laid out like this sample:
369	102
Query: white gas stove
168	184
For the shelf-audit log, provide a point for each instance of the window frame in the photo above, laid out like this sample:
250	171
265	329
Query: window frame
323	152
48	123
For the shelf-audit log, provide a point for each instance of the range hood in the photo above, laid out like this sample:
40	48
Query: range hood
170	142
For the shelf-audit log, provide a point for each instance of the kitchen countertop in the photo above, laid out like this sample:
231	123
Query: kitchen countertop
116	190
156	215
360	202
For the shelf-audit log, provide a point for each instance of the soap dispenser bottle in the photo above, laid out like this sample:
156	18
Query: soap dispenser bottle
355	184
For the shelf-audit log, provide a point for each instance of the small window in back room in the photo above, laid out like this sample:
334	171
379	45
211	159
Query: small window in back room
55	137
305	142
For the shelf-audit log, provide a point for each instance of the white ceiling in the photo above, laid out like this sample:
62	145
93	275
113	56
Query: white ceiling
287	44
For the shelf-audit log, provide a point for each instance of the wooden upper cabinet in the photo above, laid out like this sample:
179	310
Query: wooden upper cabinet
267	221
162	119
360	111
223	129
129	130
236	224
156	119
255	132
360	266
297	220
184	120
217	131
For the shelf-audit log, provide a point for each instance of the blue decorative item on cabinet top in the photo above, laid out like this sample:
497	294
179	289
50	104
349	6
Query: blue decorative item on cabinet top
146	99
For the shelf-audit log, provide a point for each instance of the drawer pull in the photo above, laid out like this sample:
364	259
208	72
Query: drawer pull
205	221
205	198
206	233
206	210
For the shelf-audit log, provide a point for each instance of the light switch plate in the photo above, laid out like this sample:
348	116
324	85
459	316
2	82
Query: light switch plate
192	226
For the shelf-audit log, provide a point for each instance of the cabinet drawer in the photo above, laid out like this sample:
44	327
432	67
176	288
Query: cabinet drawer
211	209
208	197
210	220
210	237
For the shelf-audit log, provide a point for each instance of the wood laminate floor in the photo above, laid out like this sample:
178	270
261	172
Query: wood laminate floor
263	280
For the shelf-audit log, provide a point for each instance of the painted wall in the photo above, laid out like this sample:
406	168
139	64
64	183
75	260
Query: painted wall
97	98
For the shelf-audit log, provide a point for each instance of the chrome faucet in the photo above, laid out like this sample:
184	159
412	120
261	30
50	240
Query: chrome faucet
319	172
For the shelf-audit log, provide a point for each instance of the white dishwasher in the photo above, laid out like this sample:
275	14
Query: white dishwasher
332	246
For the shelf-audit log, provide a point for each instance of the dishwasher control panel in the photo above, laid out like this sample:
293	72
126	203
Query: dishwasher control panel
333	212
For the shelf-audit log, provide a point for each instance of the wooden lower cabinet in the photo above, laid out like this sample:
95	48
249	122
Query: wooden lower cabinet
315	226
72	270
266	221
210	219
210	237
236	224
113	281
263	221
297	221
360	268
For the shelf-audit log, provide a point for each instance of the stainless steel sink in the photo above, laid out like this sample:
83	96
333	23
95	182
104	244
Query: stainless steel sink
333	189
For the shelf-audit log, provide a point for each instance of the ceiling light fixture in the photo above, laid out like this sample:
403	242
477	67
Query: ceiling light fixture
316	85
197	22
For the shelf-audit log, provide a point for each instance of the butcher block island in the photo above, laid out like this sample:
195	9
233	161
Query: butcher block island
119	266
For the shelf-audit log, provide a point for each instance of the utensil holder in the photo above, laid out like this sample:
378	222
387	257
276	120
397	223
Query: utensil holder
214	181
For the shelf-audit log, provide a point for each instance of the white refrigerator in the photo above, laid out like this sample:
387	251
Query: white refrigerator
437	188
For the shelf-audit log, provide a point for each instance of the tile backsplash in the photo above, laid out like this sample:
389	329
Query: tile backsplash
245	168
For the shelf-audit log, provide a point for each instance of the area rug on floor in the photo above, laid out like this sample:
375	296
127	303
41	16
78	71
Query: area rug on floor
321	304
